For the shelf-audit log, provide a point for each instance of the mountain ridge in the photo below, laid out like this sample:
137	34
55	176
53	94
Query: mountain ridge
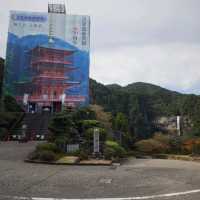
142	103
140	85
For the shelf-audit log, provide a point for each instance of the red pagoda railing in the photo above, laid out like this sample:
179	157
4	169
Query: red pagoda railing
51	98
51	61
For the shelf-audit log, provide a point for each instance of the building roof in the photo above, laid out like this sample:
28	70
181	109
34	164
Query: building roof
55	49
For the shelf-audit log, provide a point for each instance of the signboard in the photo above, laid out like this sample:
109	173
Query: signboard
96	141
178	125
68	33
25	100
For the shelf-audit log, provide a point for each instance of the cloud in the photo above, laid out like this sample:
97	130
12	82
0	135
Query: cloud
175	65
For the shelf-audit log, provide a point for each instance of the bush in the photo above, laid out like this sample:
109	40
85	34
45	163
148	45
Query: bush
11	105
83	155
191	146
161	156
43	155
34	155
87	124
196	149
72	153
187	146
151	146
46	155
113	150
127	141
160	137
3	133
109	153
176	145
47	147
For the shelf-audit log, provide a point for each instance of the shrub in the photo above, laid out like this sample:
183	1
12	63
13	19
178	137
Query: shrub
61	143
10	104
160	137
43	155
176	144
46	155
161	156
127	141
34	155
73	153
3	133
151	146
191	146
111	143
187	146
196	149
86	124
47	147
83	155
113	150
109	153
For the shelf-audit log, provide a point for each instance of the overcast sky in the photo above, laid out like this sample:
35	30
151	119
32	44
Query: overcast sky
155	41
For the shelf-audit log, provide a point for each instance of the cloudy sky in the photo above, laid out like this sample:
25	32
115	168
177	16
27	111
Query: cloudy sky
155	41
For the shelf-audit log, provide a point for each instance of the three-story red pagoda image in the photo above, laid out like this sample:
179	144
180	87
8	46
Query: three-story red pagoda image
50	80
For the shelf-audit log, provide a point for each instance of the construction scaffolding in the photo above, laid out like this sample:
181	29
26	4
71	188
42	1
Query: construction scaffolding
48	59
50	80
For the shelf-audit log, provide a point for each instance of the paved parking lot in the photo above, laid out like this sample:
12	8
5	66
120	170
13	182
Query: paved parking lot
144	179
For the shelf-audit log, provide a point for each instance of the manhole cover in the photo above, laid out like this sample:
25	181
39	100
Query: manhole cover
105	180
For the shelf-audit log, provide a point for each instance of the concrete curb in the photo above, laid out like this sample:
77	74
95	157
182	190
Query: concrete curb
76	164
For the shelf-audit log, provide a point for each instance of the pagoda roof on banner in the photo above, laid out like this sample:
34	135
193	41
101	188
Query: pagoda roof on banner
56	48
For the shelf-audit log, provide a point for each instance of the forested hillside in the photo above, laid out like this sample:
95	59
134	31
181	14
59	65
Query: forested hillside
1	74
143	102
140	102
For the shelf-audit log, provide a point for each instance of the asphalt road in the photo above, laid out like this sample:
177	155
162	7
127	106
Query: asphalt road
136	178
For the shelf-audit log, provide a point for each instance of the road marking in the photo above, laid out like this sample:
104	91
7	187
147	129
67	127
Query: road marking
129	198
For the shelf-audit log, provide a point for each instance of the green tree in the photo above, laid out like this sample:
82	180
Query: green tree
84	114
10	104
63	128
120	122
1	82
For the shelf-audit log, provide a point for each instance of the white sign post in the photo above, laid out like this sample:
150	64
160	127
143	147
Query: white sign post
178	125
25	99
96	141
24	127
